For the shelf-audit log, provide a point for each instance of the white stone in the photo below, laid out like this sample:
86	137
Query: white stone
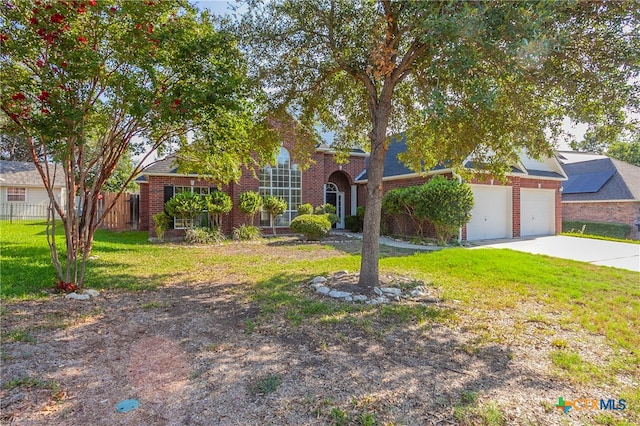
392	291
377	291
91	292
360	298
348	299
341	274
77	296
378	301
323	290
339	294
417	293
318	280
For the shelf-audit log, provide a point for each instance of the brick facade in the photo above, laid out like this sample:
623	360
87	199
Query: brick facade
605	212
324	169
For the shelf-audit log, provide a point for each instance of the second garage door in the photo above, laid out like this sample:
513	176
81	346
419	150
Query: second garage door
491	215
537	212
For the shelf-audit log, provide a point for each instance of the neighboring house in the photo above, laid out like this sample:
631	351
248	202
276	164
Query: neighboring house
324	181
527	204
601	189
22	193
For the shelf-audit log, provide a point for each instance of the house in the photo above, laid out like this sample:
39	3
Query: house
22	193
601	189
527	204
324	181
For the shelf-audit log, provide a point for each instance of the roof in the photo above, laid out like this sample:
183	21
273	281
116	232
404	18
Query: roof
394	168
167	166
594	177
25	174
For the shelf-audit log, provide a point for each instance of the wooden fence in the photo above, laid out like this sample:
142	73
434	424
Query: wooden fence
125	213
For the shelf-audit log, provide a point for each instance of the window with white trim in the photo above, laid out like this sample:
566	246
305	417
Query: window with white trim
17	194
181	223
282	181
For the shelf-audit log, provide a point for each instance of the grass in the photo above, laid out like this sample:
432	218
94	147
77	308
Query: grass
568	295
266	386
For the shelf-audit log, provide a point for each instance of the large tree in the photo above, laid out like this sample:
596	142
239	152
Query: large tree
484	79
87	83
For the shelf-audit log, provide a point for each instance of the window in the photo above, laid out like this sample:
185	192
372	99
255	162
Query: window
181	223
17	194
283	181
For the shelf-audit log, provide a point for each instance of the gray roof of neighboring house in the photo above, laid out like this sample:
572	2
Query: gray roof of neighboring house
393	167
25	174
594	177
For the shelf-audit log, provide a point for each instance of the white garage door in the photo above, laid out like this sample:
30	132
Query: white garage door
537	212
491	215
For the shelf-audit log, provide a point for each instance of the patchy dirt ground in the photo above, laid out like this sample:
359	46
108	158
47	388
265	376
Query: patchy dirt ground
201	354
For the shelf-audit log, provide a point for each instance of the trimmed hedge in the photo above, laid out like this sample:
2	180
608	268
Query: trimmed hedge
611	230
314	227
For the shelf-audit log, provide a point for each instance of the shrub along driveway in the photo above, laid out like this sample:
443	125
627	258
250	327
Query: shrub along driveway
597	252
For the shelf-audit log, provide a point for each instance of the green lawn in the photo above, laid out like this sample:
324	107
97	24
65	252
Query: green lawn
559	294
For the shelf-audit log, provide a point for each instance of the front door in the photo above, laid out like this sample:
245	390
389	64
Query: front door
335	197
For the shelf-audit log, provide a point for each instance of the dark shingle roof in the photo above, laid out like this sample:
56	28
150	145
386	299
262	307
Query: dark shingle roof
599	178
25	174
164	166
393	167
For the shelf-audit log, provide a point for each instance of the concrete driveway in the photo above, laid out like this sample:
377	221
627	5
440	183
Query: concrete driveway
598	252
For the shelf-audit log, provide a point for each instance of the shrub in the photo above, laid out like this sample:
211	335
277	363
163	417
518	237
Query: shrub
611	230
185	205
305	209
275	206
313	227
332	218
352	223
355	223
407	201
204	236
217	204
250	203
325	208
247	232
447	204
162	222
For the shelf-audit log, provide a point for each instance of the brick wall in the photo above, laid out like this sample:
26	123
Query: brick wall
605	212
313	180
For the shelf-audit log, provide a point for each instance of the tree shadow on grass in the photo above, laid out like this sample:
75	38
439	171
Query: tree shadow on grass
328	358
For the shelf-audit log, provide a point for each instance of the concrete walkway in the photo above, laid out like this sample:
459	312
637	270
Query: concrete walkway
597	252
388	241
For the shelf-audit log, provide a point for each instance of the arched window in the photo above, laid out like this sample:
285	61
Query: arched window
283	181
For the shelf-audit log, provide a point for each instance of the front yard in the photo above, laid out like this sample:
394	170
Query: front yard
233	334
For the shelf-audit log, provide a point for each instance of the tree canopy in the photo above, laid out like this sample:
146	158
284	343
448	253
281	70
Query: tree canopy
87	83
479	79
